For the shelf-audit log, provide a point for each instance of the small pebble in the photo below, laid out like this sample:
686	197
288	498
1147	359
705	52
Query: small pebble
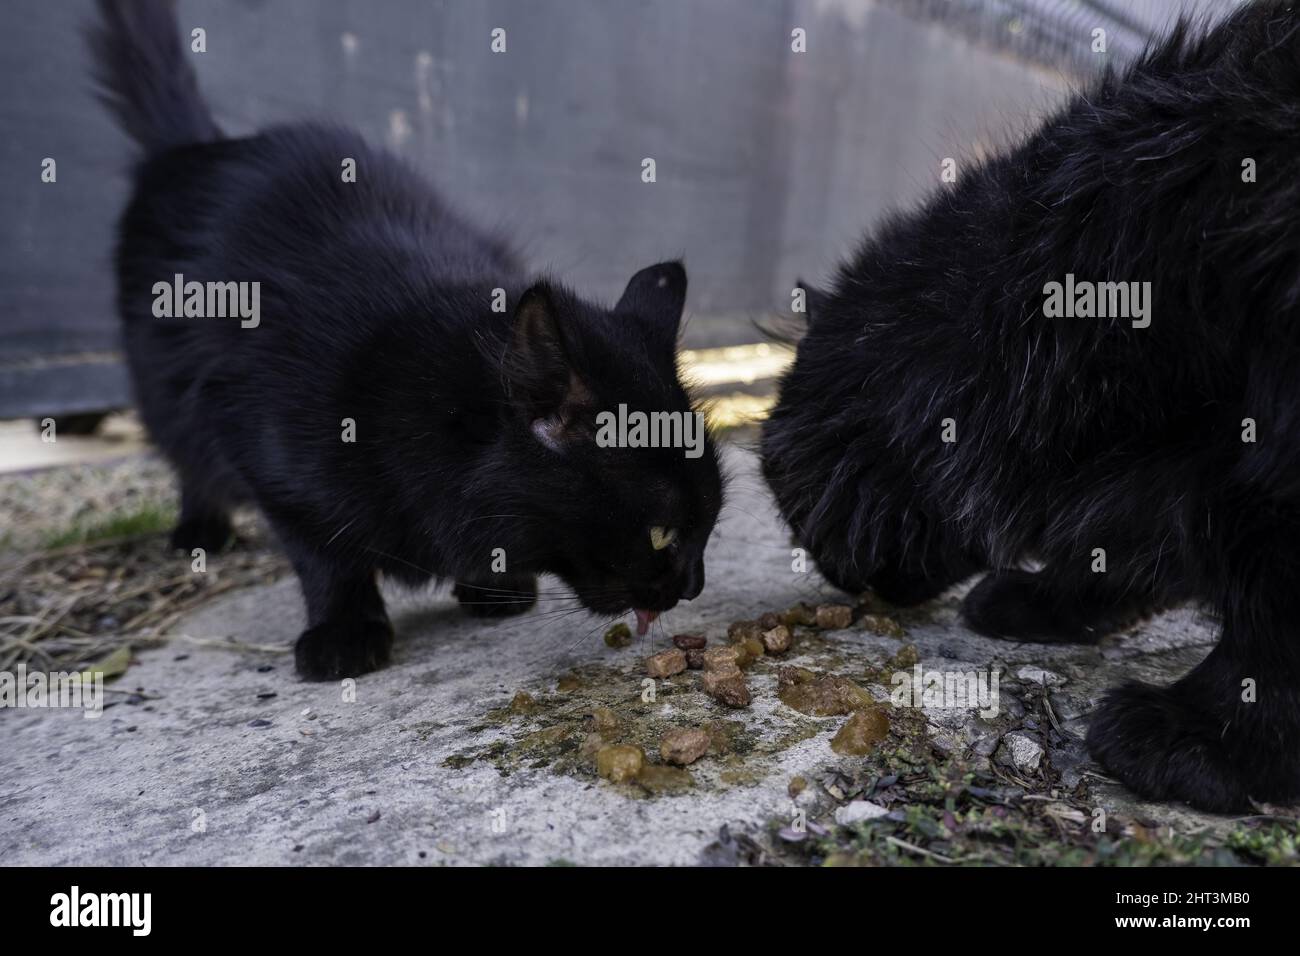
858	811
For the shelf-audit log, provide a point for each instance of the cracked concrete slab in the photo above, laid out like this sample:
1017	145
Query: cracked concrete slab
222	756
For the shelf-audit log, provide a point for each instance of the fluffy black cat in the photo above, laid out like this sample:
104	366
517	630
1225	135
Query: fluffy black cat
376	407
941	418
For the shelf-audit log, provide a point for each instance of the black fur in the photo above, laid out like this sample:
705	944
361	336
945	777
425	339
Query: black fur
473	428
1075	434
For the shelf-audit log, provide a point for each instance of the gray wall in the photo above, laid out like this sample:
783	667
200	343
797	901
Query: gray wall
770	163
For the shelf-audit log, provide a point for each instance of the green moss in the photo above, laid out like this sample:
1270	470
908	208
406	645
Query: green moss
146	519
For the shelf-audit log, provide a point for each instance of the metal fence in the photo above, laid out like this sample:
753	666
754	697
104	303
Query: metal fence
770	163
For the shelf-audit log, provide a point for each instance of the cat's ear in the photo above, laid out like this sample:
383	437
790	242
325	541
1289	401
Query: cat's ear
539	375
655	297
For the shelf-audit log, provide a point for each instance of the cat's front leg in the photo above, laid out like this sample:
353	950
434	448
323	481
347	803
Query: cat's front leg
348	631
496	595
1050	608
1228	732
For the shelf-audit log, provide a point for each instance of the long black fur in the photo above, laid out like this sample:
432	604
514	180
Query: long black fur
474	429
1074	434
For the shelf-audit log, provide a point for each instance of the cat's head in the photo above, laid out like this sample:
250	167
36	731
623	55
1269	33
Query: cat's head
591	391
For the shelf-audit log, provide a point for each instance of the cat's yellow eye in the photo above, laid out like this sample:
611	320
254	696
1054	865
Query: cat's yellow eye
661	538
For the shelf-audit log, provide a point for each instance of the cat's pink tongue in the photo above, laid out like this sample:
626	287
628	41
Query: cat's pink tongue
643	619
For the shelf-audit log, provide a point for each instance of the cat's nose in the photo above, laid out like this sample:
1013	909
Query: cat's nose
693	581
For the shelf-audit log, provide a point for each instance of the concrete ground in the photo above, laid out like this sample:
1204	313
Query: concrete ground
215	753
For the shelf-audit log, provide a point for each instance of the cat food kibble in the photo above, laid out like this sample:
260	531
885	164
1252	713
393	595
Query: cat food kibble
882	625
865	728
833	617
695	658
777	640
690	642
726	685
768	621
684	745
739	630
799	615
620	635
665	663
733	655
619	763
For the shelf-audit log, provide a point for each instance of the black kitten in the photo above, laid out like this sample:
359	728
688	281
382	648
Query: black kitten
373	396
938	421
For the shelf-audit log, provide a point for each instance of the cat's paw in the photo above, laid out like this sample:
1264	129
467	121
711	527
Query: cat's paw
343	648
501	595
1016	605
1163	748
209	532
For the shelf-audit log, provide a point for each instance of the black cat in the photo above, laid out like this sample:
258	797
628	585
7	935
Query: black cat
370	399
941	419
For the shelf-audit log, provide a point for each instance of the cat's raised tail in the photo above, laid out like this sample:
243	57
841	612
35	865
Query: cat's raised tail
145	77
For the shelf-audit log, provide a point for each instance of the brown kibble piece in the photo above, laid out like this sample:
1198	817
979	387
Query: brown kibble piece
820	695
797	786
882	625
740	630
619	763
684	745
777	640
690	642
833	617
602	718
726	685
695	659
799	615
665	663
523	703
768	620
730	656
861	732
660	779
754	647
